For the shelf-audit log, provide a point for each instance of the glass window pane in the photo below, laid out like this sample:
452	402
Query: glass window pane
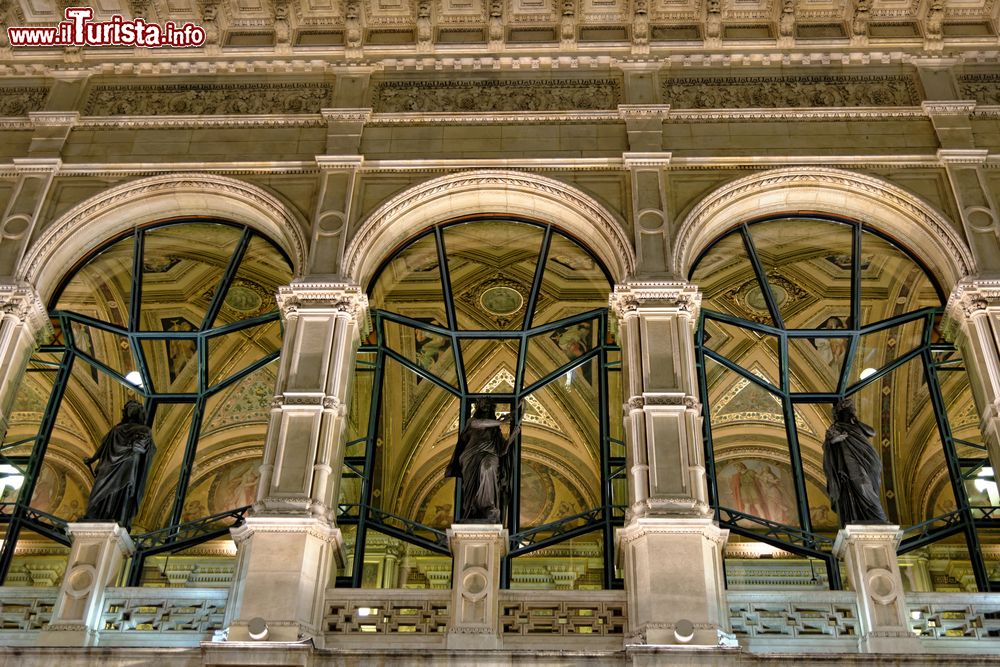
111	349
172	364
808	266
490	365
576	564
492	267
359	414
231	353
555	349
811	422
252	291
181	269
428	350
39	562
573	283
560	460
728	283
28	408
915	485
891	283
171	429
815	364
746	348
417	435
410	284
206	565
102	288
753	565
879	349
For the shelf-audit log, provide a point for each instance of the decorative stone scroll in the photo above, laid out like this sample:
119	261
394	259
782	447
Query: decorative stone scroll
496	95
19	100
874	90
983	88
208	99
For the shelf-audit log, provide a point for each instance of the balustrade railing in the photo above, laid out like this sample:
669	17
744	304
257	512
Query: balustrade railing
158	616
795	620
25	609
955	616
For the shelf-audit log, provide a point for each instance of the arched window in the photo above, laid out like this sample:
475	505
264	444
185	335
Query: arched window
797	313
512	310
182	317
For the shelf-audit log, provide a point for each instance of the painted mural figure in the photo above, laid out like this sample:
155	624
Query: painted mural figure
479	461
123	460
853	468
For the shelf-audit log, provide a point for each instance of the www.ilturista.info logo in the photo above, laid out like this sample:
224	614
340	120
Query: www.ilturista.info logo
79	30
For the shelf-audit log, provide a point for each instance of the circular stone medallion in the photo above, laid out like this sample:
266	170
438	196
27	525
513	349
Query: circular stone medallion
501	300
243	299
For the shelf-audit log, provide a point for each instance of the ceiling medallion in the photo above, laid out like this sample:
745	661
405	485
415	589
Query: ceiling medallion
501	300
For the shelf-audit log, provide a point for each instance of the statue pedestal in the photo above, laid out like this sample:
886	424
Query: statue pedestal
477	552
674	582
869	552
95	562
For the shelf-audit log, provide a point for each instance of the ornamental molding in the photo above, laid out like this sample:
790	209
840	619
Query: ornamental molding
795	114
607	228
280	225
338	298
493	117
643	111
672	400
37	165
53	118
628	299
898	211
182	121
358	115
956	107
975	156
642	527
972	296
23	303
492	95
660	160
196	98
769	91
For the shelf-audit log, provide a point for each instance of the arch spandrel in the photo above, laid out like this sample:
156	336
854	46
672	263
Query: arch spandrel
883	206
489	192
91	223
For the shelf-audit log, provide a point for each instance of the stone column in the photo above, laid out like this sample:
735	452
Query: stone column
289	545
477	552
23	320
973	313
95	562
869	553
670	548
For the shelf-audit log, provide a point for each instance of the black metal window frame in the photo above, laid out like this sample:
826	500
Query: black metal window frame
605	518
802	540
177	534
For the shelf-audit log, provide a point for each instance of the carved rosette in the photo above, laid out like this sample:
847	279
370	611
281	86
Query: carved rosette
342	299
22	304
628	299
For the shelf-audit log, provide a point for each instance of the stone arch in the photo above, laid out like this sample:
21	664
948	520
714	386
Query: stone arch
873	201
91	223
485	192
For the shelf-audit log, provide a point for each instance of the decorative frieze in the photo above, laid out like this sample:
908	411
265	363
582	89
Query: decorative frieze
208	98
19	100
628	298
348	299
876	90
983	88
496	95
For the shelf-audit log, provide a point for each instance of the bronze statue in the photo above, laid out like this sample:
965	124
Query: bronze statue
124	457
480	461
853	468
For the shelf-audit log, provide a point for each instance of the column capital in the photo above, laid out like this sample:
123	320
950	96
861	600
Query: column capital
679	297
972	296
22	303
335	298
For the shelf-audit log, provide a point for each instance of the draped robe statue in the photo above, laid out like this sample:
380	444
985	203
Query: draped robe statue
853	468
479	460
124	457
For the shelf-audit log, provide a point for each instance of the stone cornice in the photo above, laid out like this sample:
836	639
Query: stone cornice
338	298
963	155
641	527
338	162
37	165
359	115
181	121
658	160
54	118
971	296
23	303
628	299
948	108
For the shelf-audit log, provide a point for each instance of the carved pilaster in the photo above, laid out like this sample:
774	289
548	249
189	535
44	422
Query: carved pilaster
20	217
976	204
972	317
478	551
324	322
283	569
869	553
649	202
663	420
95	562
337	178
24	324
